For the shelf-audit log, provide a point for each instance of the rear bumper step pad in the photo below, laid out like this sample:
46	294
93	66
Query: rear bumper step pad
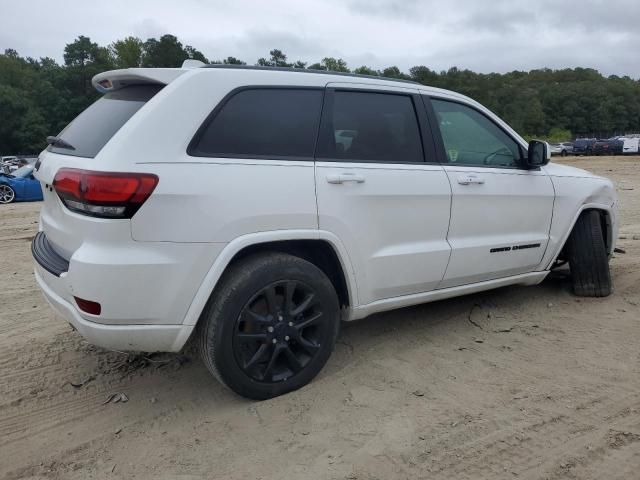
46	256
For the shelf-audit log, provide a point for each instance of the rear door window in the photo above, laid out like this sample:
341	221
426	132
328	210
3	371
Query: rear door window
262	123
93	128
371	127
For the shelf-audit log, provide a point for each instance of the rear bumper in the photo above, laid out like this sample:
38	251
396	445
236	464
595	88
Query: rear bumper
136	283
144	289
145	338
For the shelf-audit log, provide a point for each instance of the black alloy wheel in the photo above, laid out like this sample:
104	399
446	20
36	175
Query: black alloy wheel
279	331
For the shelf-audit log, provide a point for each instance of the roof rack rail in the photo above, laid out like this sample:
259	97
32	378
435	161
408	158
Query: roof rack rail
305	70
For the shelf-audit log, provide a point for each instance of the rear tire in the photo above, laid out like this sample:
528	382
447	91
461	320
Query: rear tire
588	258
270	326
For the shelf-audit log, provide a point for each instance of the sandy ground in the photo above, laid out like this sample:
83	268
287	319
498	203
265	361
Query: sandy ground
521	382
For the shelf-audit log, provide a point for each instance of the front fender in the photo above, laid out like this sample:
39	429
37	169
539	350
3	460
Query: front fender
574	196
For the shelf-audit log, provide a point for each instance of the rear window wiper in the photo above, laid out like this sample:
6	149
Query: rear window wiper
59	142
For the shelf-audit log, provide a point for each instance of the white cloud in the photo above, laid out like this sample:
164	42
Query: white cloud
500	35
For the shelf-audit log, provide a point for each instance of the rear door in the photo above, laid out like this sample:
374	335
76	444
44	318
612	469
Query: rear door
380	189
500	211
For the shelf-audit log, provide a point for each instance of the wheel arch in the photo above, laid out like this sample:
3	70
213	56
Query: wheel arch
323	249
606	222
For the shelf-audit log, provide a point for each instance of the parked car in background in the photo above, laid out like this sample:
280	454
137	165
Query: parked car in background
20	186
10	163
630	145
609	146
563	149
583	146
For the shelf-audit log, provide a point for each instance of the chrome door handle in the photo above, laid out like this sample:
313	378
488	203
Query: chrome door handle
470	180
344	177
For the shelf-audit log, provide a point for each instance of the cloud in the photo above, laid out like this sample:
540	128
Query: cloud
501	36
389	9
148	28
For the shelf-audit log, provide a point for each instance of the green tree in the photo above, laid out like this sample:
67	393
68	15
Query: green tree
276	59
330	64
81	52
233	61
364	70
127	52
11	53
394	72
38	97
84	59
424	75
557	135
334	64
195	54
23	128
166	52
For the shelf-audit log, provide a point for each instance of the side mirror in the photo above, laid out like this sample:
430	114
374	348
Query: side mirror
538	154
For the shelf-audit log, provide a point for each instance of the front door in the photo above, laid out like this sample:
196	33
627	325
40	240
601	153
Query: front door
500	211
381	191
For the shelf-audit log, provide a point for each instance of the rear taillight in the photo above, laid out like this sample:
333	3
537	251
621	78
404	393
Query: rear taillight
103	194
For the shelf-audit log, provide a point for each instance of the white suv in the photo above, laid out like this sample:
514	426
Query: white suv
252	209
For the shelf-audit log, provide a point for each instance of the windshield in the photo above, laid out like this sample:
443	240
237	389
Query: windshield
23	172
93	128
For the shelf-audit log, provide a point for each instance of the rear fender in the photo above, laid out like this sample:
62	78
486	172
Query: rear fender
234	247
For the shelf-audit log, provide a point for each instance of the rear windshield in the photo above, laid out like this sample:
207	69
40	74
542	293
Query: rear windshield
93	128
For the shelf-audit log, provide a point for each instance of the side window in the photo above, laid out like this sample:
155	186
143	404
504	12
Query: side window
263	122
470	138
367	126
90	131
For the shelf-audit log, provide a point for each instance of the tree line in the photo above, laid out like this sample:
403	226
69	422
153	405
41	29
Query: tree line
38	97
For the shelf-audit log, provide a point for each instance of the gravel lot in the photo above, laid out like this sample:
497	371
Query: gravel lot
521	382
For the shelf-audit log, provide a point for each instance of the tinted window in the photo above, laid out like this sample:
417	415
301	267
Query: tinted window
271	122
470	138
93	128
371	127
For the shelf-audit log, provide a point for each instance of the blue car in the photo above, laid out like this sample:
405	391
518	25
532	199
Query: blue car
19	186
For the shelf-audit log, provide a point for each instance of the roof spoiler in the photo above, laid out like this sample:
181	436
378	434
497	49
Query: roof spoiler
191	63
116	79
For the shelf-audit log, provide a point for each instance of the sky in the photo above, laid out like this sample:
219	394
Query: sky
484	36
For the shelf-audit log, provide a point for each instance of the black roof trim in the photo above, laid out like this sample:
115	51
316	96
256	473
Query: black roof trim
305	70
